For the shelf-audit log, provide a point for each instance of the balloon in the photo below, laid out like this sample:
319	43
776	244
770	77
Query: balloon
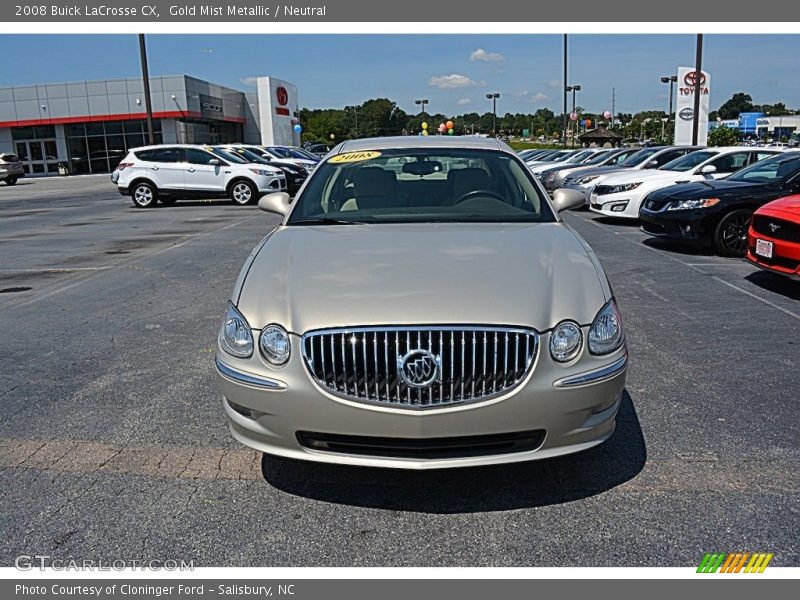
424	132
607	115
583	122
298	128
588	122
332	136
450	131
424	125
442	127
573	116
449	124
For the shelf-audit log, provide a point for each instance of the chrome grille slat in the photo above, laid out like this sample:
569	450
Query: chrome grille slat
500	358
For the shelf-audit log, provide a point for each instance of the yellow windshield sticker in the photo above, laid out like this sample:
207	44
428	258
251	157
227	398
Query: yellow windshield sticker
349	157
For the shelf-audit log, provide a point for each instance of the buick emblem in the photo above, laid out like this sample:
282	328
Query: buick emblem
773	227
419	368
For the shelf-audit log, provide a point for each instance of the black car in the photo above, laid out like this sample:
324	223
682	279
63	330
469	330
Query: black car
716	212
295	175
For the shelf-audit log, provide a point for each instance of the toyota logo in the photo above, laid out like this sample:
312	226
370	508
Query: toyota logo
282	95
689	78
419	368
687	114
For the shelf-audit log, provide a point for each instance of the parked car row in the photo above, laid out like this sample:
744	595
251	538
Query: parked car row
720	198
242	172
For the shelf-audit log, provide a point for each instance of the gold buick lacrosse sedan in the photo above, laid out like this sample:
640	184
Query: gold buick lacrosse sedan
421	305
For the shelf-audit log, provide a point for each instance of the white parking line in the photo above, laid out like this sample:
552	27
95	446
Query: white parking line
693	266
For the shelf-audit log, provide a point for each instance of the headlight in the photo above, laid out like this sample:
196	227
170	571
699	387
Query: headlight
605	334
690	204
625	187
565	342
587	179
275	345
234	335
265	172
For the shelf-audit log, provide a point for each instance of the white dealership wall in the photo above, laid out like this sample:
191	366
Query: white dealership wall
684	108
277	112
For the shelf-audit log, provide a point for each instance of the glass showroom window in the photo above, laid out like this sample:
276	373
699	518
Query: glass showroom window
99	147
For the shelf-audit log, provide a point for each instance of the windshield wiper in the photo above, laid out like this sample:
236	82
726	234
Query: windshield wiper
326	221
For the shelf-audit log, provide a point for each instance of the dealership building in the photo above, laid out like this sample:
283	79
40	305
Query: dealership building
89	126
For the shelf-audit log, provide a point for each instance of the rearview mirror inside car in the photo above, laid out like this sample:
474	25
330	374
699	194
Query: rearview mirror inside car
565	199
277	202
422	167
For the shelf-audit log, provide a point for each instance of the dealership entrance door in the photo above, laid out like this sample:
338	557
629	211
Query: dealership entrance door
39	157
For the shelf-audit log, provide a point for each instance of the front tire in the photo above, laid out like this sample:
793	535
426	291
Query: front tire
11	180
730	236
144	195
243	193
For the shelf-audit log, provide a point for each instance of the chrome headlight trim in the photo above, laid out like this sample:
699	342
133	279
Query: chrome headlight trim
275	344
608	313
595	375
243	377
225	338
567	328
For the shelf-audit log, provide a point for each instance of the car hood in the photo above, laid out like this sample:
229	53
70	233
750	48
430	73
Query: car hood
649	175
601	170
789	205
310	277
704	189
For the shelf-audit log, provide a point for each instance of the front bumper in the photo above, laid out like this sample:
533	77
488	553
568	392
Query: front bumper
694	227
624	205
269	184
574	407
785	258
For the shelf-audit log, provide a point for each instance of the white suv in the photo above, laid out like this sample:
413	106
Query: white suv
174	171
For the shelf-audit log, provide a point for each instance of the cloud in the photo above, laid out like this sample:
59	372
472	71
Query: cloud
463	101
540	97
554	83
248	80
451	82
483	56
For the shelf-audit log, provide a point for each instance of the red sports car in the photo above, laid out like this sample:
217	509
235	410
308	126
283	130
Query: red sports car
773	241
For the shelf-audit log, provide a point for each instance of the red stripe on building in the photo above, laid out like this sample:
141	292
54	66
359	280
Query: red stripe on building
172	114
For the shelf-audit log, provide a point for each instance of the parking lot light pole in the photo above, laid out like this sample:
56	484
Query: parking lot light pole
493	97
671	81
421	102
148	104
564	132
573	89
698	87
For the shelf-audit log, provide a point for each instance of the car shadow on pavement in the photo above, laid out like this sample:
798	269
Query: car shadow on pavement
191	203
675	247
603	220
775	283
473	489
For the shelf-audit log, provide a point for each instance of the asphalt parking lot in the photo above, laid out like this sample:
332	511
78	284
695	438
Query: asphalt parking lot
113	443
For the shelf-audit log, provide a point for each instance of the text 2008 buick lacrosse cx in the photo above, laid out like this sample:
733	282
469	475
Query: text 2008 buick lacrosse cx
422	305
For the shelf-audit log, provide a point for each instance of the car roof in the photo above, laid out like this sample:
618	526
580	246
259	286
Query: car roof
421	142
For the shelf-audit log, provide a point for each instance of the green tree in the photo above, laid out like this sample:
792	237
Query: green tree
738	103
723	136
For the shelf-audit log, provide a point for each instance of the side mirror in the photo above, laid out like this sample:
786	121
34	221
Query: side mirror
277	202
708	170
565	199
653	164
214	161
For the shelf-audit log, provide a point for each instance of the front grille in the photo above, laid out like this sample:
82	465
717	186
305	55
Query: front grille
655	205
778	229
424	448
472	363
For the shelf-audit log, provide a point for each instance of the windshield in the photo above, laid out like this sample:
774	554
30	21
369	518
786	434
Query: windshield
688	161
300	153
639	157
597	158
281	152
246	155
771	169
580	156
230	156
421	186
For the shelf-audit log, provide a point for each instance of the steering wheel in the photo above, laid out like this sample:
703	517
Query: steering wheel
474	193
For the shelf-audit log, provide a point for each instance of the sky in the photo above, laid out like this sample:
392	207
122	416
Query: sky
455	72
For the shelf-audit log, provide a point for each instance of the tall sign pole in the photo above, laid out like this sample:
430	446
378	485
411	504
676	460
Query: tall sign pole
698	88
564	132
148	104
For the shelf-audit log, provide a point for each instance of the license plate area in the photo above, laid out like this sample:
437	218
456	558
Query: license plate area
764	248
